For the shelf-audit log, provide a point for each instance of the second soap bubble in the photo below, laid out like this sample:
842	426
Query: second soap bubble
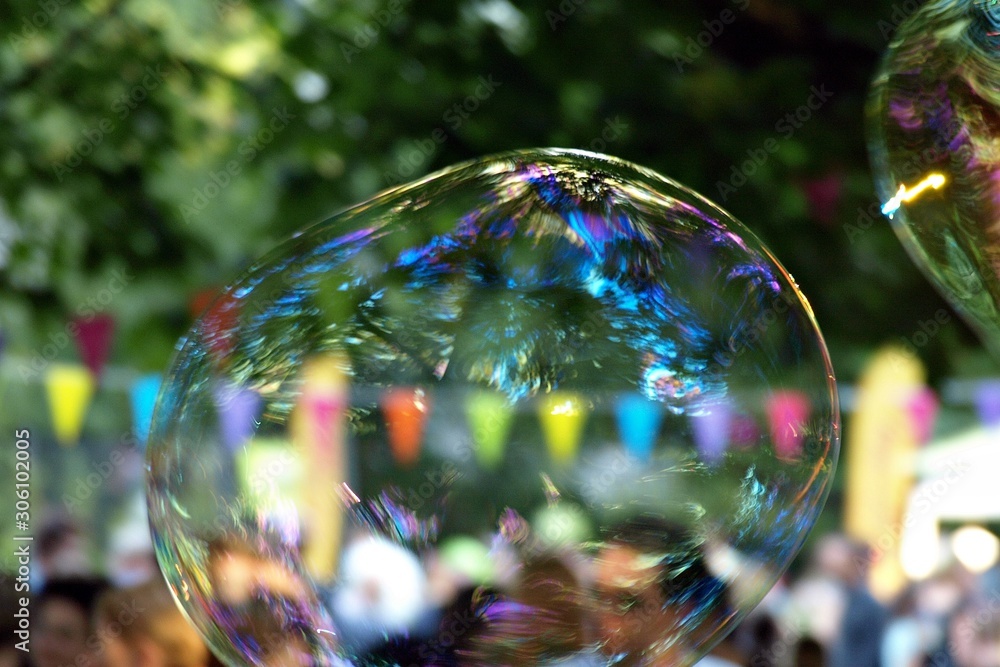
546	406
934	117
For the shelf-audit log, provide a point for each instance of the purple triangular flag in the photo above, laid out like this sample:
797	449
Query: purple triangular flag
237	408
711	432
988	402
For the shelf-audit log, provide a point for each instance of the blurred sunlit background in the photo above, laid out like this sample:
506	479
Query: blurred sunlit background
150	151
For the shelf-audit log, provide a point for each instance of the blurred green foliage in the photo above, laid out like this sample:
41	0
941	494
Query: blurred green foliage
177	141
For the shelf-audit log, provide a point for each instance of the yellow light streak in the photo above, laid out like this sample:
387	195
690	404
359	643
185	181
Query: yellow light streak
905	194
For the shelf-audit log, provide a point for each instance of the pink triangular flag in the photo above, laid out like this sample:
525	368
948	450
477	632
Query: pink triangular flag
923	408
93	339
324	411
788	412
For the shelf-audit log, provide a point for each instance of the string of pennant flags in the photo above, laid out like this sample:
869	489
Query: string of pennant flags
405	411
562	415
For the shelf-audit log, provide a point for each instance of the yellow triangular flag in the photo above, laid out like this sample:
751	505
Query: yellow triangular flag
70	389
563	415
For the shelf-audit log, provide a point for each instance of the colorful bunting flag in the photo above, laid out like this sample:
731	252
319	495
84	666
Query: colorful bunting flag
319	433
93	340
711	430
923	408
237	409
490	415
639	422
70	389
273	475
405	411
562	415
743	431
324	411
787	414
201	300
143	394
218	323
988	402
823	195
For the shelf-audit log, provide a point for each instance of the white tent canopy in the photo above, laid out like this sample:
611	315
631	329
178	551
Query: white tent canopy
959	478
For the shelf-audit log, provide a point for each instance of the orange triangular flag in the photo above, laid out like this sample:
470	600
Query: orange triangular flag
405	411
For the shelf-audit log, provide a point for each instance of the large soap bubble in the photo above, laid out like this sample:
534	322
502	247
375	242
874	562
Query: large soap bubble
544	406
934	117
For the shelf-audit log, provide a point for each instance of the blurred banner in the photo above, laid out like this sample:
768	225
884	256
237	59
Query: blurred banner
143	395
70	389
93	340
880	450
490	415
405	410
988	402
237	408
787	414
217	326
924	407
562	415
319	435
639	422
272	475
202	299
712	431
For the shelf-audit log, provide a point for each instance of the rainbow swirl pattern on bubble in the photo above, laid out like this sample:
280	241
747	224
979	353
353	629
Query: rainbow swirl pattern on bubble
547	407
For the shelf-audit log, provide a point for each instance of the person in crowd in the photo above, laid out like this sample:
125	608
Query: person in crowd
381	591
240	570
972	636
751	643
809	652
130	556
758	635
550	588
859	640
62	629
908	636
142	626
727	653
814	607
540	620
650	581
61	552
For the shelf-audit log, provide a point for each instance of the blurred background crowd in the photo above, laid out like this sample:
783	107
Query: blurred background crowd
821	614
151	151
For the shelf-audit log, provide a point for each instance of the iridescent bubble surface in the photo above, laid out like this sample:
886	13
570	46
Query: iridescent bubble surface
935	148
543	408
